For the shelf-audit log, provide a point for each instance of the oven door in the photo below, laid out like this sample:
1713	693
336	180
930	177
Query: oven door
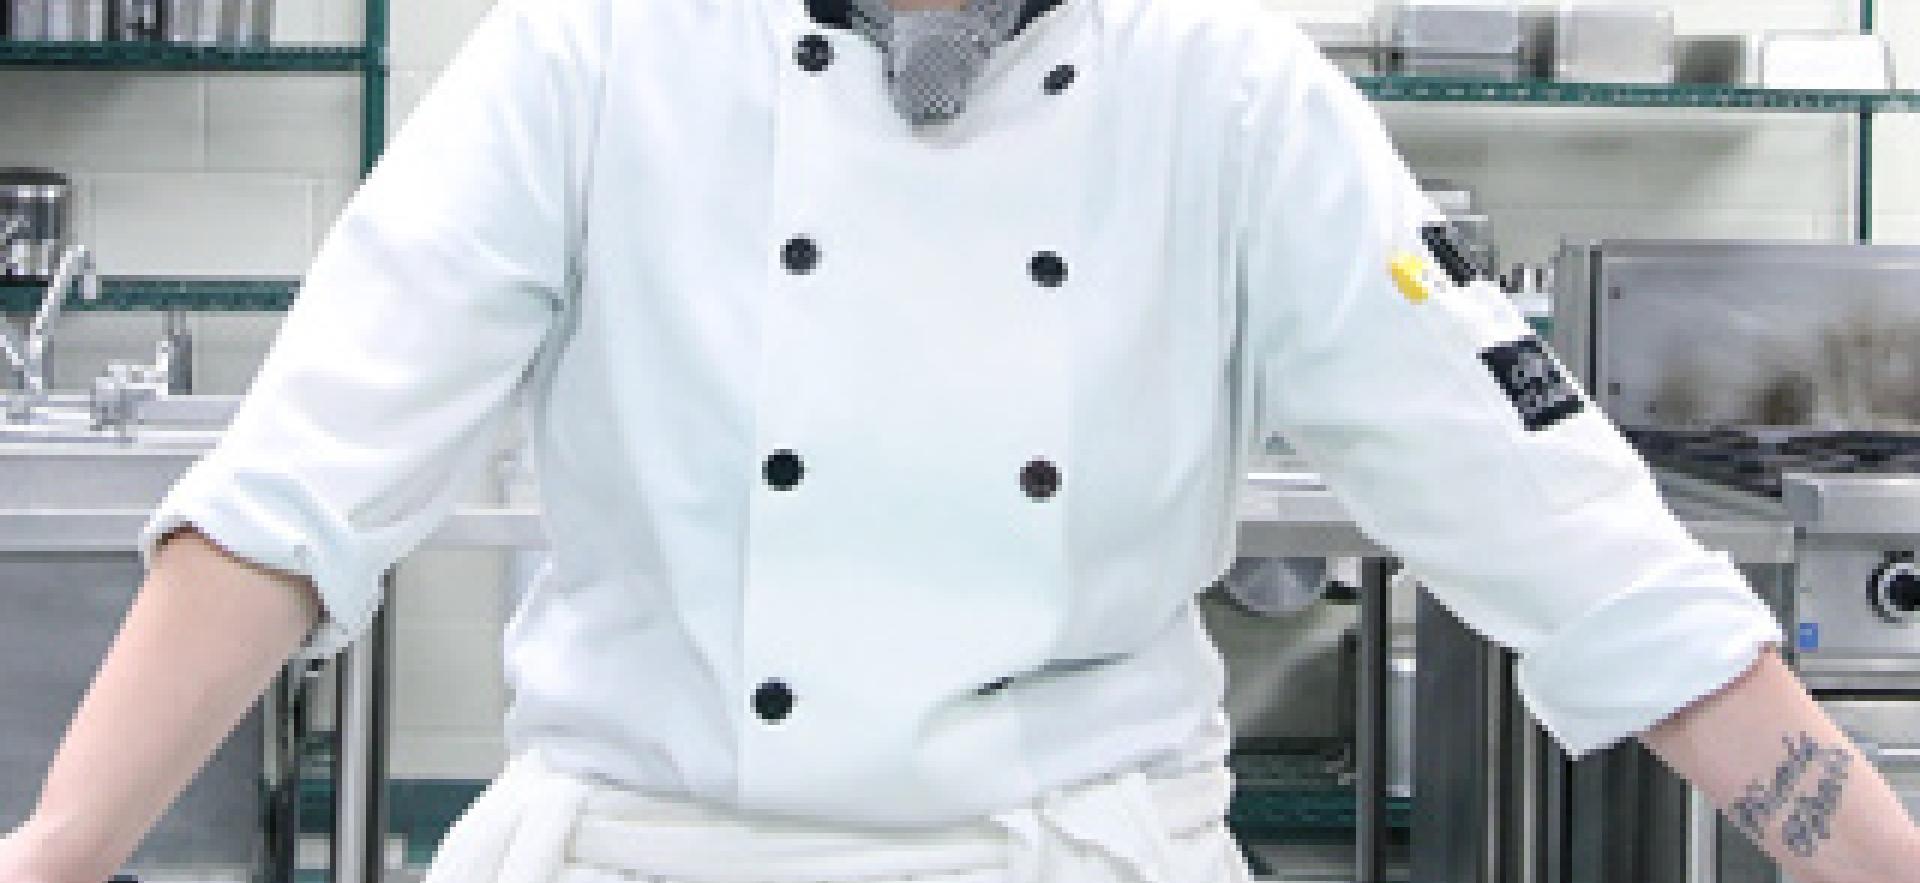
1888	733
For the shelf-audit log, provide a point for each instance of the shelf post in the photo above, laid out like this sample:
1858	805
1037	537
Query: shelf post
1863	184
373	92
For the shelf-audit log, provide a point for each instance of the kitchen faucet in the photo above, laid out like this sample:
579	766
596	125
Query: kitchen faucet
76	265
9	347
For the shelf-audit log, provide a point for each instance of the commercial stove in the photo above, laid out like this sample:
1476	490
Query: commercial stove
1780	379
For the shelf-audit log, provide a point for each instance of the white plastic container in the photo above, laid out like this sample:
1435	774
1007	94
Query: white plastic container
1826	60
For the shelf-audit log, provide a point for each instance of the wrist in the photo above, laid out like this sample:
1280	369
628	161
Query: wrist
35	853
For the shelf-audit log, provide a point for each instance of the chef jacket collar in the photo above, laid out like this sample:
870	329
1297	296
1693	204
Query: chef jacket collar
839	13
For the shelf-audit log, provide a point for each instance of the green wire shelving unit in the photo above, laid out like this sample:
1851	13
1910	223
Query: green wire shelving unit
368	60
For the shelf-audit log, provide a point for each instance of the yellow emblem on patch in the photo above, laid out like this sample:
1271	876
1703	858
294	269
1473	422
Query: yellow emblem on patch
1410	275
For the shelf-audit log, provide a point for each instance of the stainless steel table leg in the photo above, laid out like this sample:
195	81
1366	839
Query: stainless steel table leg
1370	730
359	820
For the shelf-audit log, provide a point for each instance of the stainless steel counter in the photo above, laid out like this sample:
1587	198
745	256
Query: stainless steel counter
1286	511
95	498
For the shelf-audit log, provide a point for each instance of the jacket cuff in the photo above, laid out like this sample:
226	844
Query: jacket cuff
1647	653
268	519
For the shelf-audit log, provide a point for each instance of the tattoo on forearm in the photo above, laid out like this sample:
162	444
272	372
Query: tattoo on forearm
1807	785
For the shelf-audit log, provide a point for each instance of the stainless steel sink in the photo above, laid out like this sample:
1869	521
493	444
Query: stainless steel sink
89	476
71	507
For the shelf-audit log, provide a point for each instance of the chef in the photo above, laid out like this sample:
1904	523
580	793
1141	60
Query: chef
890	371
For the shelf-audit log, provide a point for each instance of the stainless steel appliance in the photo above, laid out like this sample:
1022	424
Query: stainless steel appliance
1614	43
27	19
1783	377
34	205
61	20
1724	59
1353	46
137	20
71	20
1453	39
218	21
246	22
1469	219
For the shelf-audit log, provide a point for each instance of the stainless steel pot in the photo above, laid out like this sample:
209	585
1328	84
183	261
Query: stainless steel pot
71	20
246	22
226	22
26	19
39	199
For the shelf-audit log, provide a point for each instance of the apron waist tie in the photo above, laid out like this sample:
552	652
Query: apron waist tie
534	822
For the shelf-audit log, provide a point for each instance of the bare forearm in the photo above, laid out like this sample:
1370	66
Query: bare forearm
1782	771
205	636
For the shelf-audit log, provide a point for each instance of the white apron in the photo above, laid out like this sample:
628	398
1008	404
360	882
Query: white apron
537	825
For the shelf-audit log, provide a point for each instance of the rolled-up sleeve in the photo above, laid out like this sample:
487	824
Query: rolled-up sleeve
415	329
1453	436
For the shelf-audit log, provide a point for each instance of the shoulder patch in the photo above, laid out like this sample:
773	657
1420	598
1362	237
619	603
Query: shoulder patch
1531	378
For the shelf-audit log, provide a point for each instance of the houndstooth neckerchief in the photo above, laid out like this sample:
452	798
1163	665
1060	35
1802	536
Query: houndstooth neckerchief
935	55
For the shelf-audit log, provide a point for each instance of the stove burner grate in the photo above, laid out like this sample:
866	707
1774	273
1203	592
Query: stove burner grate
1753	459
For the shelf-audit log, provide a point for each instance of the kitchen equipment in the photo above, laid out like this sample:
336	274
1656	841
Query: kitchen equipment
1779	377
27	19
1453	39
1725	60
1475	228
246	22
1614	43
39	200
72	20
225	22
137	20
1859	604
1889	736
1804	335
1826	60
180	20
1352	46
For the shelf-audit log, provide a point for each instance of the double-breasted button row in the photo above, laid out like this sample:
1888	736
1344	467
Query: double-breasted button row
783	470
801	255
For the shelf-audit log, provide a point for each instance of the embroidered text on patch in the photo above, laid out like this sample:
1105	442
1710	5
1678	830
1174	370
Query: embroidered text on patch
1532	379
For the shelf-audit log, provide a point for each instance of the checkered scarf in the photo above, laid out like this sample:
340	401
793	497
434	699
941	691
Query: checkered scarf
935	55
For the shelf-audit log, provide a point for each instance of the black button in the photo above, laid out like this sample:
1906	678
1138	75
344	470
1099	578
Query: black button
773	701
1060	78
814	53
783	470
800	255
1040	479
1048	269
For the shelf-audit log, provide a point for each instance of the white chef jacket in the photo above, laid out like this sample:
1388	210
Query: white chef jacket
881	467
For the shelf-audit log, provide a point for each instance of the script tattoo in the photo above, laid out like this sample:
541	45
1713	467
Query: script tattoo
1809	806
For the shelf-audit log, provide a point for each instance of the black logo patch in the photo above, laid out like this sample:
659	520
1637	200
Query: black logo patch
1533	381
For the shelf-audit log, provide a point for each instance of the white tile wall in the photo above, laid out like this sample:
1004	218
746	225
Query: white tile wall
243	174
